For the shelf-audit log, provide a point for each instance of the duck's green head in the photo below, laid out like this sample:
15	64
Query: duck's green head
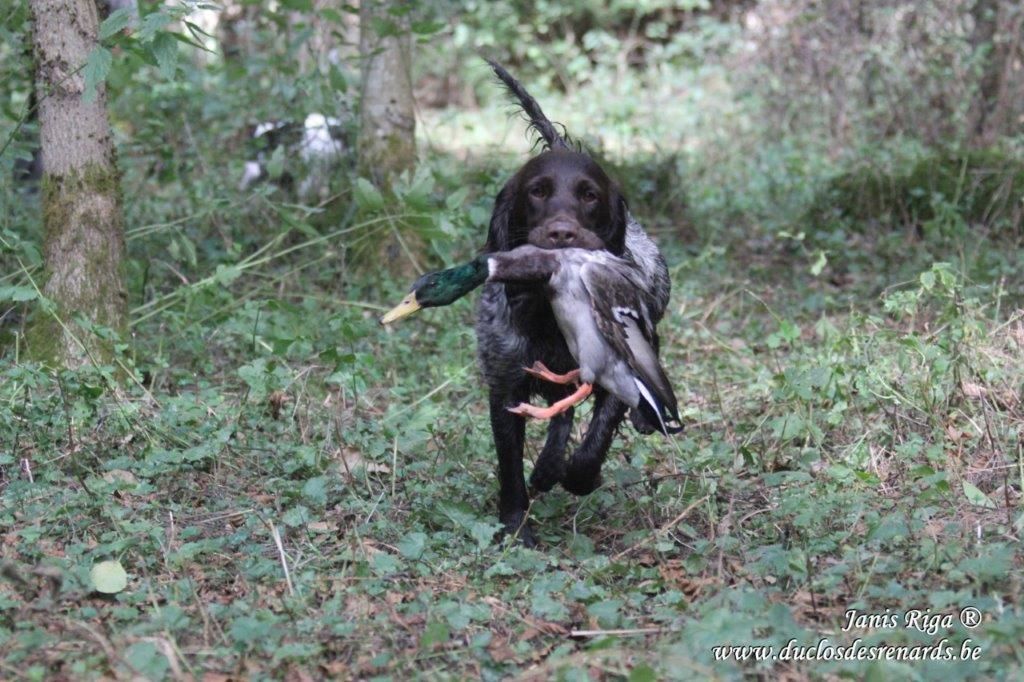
440	288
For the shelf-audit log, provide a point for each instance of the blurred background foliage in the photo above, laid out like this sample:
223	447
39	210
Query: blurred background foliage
725	120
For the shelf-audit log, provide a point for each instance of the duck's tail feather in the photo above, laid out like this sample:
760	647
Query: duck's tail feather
662	417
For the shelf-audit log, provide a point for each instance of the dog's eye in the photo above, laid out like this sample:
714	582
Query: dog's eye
538	191
588	195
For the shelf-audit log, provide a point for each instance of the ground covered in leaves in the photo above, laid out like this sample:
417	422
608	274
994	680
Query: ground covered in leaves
298	492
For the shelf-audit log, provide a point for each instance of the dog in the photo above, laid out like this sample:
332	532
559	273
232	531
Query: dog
559	198
318	142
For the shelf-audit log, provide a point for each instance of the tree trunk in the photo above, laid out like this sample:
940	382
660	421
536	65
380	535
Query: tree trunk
83	227
997	34
313	55
387	141
235	32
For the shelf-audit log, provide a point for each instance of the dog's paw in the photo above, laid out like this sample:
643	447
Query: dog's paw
517	526
581	480
547	473
640	423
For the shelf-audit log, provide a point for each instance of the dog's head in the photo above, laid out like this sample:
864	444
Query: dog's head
560	198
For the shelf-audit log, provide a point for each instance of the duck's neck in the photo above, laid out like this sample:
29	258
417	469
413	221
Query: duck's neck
458	281
526	264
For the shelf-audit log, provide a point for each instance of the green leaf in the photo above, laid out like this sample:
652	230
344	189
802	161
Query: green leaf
275	166
425	28
315	490
197	31
456	198
226	274
151	25
927	280
819	264
642	673
165	51
17	294
789	426
789	331
976	497
385	564
116	22
196	39
383	28
298	5
947	276
108	577
97	66
435	632
337	79
368	197
546	606
332	15
147	660
484	533
247	629
296	516
254	374
606	612
412	545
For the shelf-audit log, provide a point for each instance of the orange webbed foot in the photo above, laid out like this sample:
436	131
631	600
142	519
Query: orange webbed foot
540	371
527	410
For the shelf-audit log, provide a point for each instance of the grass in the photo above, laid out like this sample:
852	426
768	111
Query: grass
296	492
972	187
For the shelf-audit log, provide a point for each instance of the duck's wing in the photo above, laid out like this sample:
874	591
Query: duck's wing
624	320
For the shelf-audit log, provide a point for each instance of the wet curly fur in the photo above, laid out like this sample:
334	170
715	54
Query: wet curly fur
559	198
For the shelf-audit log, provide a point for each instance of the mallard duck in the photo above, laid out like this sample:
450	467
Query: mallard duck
597	302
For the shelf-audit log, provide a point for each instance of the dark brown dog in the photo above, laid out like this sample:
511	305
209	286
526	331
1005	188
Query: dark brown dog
560	198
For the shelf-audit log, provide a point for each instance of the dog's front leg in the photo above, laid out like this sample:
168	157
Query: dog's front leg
583	473
513	500
550	466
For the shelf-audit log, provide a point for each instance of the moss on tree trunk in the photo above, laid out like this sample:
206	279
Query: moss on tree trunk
83	230
83	251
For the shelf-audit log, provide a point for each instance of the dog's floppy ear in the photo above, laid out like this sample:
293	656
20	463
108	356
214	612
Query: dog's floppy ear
498	231
619	216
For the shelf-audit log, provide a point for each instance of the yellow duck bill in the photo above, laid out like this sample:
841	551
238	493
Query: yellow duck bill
407	307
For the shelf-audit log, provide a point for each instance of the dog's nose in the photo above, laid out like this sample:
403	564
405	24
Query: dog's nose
562	233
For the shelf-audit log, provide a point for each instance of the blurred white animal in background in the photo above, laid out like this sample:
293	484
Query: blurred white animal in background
320	150
319	144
